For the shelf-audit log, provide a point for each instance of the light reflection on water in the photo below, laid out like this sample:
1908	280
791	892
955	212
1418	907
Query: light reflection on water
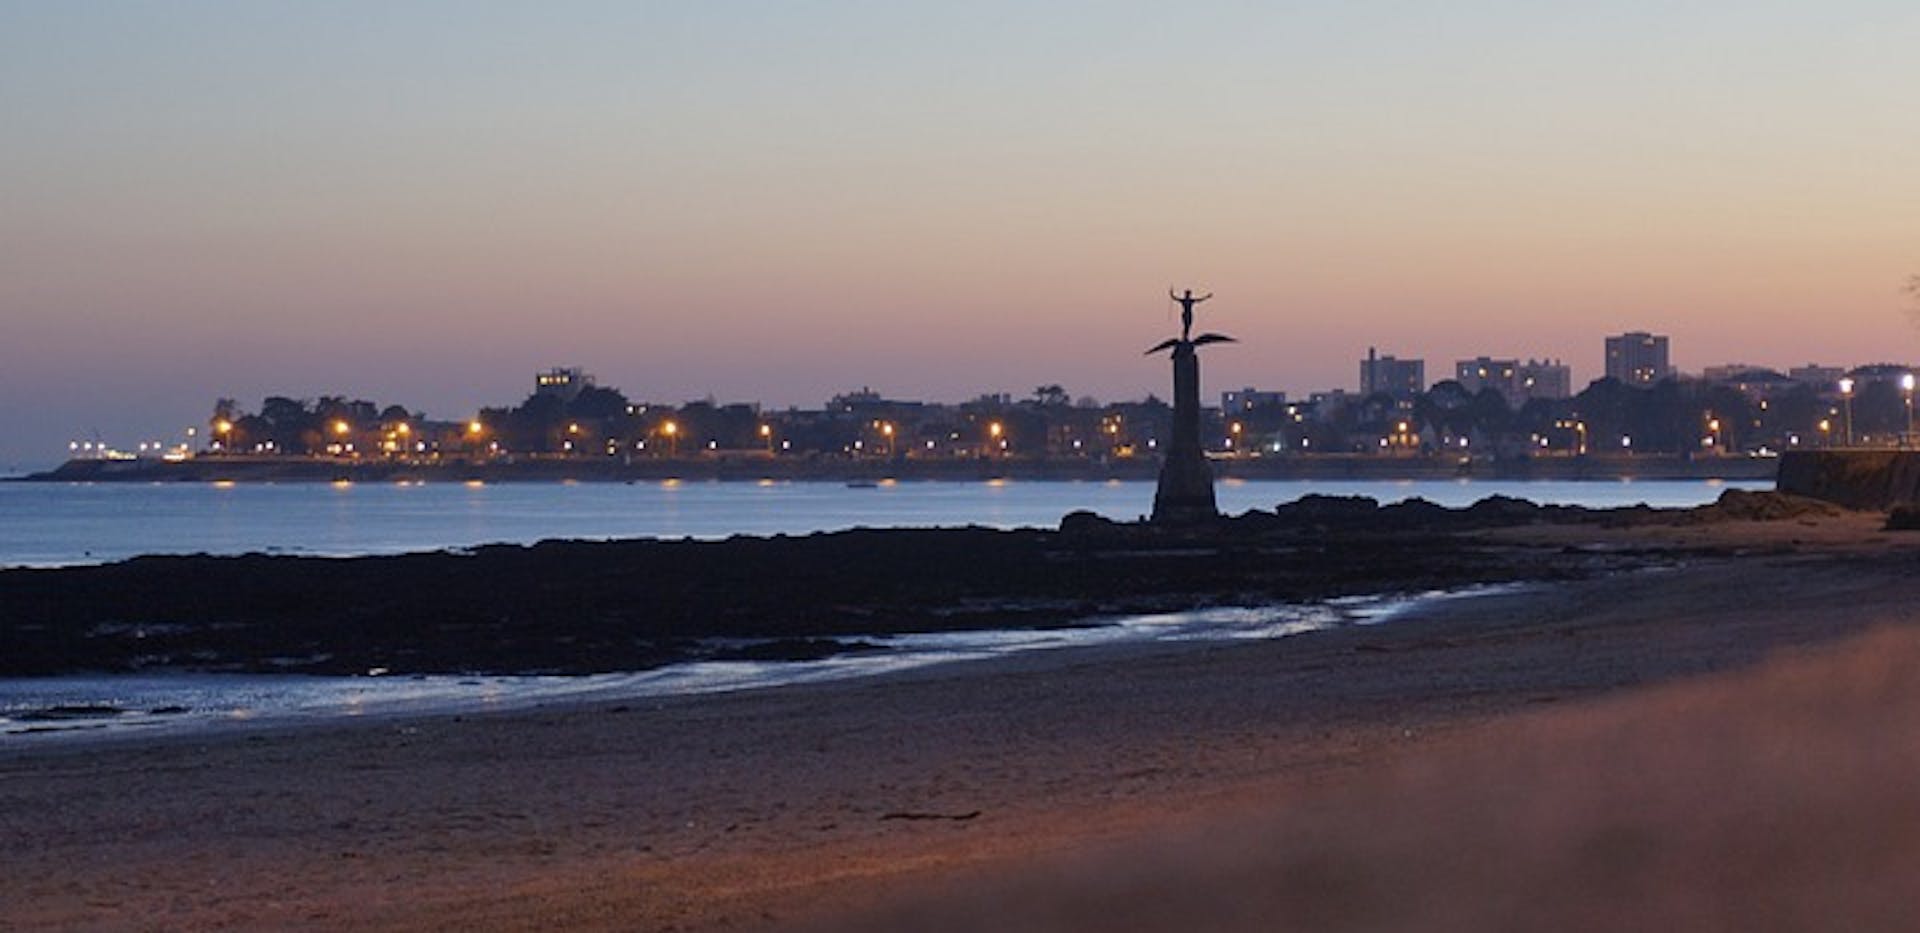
46	709
51	524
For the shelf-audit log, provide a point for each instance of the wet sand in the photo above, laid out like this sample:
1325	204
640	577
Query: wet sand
1711	745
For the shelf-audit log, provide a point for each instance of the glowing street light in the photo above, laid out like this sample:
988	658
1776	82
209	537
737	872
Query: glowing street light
672	431
1846	394
766	436
1906	387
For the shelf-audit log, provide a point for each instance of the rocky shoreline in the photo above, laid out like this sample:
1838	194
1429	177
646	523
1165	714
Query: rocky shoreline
585	607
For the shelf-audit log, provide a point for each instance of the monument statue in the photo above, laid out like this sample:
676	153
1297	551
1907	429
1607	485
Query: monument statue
1185	493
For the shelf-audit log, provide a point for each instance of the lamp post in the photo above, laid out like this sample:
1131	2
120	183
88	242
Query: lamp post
1906	388
766	436
672	431
994	431
1846	396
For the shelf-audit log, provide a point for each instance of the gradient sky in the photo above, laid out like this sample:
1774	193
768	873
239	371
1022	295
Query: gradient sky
426	202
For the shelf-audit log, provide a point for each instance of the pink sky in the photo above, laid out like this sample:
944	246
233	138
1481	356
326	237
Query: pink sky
426	205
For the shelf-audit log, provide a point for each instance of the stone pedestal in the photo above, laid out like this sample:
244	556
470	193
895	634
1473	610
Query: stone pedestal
1185	493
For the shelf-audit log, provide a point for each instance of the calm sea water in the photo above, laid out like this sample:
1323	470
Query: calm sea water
44	524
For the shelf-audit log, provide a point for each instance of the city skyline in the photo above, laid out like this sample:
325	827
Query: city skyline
1398	381
421	202
139	437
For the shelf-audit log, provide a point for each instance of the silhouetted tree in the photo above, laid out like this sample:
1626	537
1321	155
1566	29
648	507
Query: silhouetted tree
1879	408
1795	411
288	422
597	402
1048	396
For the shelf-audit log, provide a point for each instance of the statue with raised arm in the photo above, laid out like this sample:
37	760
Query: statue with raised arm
1185	492
1187	302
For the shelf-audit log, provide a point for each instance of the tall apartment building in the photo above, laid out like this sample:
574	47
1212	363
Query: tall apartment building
1402	379
1638	358
1517	382
1543	379
1484	372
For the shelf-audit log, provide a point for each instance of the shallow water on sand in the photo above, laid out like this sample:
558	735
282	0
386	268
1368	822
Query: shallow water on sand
38	710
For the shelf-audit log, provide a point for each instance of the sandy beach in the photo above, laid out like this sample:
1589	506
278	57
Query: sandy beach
1723	742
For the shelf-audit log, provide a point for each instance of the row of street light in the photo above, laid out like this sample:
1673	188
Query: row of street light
1907	383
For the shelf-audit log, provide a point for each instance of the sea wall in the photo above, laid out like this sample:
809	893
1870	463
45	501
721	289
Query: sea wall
1857	479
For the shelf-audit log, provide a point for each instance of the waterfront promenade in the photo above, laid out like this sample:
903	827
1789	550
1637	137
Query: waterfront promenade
214	468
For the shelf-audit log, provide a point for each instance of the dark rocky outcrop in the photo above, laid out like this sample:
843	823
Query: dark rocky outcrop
1904	518
568	606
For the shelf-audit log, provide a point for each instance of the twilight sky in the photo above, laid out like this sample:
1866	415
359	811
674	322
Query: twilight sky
425	202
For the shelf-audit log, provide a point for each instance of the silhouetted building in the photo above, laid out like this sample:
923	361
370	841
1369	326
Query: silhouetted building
1824	379
1877	373
1484	372
1402	379
1249	400
1638	358
1728	371
1755	382
1516	382
563	382
1548	379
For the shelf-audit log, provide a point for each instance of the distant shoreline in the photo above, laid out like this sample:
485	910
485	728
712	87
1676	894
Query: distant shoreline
250	469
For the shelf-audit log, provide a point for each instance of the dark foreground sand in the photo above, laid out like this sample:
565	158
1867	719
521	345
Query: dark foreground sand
1730	744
